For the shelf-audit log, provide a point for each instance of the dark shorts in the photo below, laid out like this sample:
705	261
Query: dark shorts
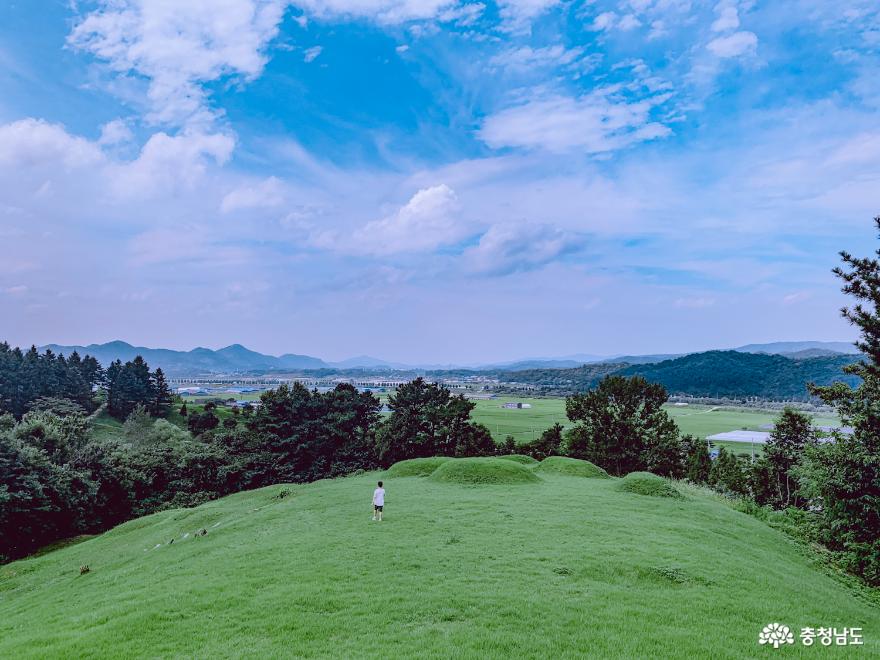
377	507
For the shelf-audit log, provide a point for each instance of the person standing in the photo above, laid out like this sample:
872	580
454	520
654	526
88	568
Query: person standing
378	502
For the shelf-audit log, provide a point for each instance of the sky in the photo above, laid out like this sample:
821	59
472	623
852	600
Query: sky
434	180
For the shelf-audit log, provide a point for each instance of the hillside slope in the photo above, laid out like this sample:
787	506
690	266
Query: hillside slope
564	567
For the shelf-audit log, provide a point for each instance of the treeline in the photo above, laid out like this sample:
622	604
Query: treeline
57	480
26	377
132	384
33	381
728	374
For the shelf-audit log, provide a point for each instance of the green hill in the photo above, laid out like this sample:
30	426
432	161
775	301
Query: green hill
713	373
562	567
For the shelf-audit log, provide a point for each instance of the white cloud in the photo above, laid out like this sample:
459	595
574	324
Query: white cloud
181	244
517	15
178	46
265	194
463	15
381	11
115	132
526	58
168	163
311	53
594	123
628	22
734	45
429	220
31	143
508	248
604	21
728	18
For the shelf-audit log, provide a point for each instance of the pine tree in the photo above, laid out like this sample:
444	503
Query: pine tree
161	394
843	476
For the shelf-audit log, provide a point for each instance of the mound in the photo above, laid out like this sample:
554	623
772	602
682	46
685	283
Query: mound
645	483
483	471
416	467
522	459
572	467
457	575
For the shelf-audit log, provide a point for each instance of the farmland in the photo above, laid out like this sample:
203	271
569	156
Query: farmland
525	424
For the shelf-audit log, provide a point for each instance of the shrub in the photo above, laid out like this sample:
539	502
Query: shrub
483	471
645	483
416	467
571	467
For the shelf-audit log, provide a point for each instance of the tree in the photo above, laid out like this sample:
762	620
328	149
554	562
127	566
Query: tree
843	477
26	378
775	481
729	475
162	399
622	427
199	423
183	411
305	435
427	420
698	463
548	444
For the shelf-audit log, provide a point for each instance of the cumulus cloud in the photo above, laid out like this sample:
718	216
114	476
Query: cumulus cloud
508	248
734	45
429	220
170	163
115	132
29	143
594	123
178	46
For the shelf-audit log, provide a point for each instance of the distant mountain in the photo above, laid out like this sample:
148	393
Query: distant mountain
783	347
367	362
643	359
811	353
532	364
232	359
730	374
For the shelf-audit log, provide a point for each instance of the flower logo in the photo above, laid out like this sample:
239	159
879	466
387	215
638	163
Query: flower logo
775	634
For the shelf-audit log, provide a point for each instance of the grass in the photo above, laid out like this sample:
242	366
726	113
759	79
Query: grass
571	467
522	459
645	483
526	424
562	568
483	471
416	467
105	427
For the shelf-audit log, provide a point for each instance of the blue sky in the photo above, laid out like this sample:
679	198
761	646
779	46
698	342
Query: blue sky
433	180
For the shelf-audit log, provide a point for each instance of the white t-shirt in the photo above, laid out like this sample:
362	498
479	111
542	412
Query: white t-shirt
379	497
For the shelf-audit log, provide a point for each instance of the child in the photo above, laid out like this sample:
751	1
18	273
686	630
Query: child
378	502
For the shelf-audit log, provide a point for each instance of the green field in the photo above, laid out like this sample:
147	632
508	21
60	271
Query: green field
701	421
565	567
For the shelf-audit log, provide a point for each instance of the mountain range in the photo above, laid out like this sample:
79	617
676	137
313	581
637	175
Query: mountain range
238	359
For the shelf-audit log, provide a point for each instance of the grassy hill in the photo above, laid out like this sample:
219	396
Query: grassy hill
562	567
